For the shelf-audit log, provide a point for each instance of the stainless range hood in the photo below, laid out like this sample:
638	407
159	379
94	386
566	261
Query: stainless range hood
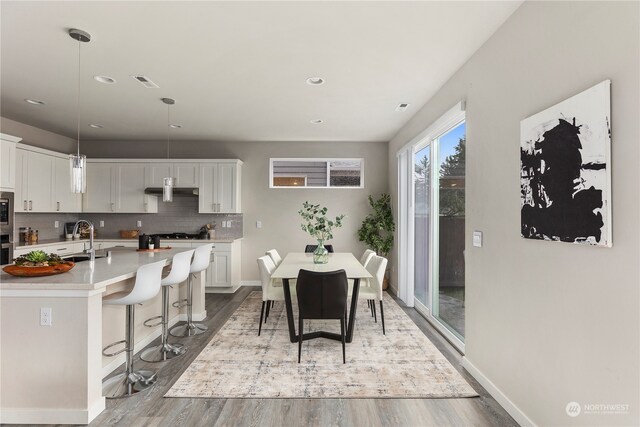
177	191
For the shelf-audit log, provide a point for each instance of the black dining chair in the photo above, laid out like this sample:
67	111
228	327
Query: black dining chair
322	296
310	248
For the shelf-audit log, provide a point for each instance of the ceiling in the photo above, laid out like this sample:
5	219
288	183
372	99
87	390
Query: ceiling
236	69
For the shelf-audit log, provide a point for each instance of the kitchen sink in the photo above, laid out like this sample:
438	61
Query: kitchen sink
82	257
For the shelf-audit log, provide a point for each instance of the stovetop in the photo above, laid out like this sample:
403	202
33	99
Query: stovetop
179	236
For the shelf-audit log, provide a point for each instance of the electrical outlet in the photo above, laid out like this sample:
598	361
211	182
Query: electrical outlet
101	223
139	223
56	224
477	239
45	316
258	224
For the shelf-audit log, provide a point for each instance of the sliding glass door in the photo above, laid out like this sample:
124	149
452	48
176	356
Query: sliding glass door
438	226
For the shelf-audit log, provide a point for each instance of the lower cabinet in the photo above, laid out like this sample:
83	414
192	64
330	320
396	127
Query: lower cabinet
61	249
223	274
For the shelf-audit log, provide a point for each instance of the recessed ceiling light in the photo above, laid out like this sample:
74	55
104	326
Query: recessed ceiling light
175	126
315	81
104	79
402	106
317	121
34	101
95	126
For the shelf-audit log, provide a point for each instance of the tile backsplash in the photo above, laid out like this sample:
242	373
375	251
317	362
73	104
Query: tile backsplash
179	216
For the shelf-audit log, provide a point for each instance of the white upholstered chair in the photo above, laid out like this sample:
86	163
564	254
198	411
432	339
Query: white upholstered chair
272	290
373	292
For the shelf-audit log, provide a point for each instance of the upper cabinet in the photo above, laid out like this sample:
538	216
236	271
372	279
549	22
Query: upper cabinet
43	182
8	162
220	185
185	175
117	187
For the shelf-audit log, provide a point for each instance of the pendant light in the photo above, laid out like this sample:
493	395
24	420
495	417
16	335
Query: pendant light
167	183
78	162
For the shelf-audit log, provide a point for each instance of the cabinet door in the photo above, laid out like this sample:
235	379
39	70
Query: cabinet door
63	199
100	185
226	188
208	181
186	175
130	184
40	182
21	199
221	270
7	165
156	172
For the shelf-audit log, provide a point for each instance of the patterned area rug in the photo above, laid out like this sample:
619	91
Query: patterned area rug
238	363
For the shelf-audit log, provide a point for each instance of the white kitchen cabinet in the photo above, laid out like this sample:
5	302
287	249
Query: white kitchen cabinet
185	175
117	187
63	199
99	197
129	190
223	274
8	162
220	185
34	182
61	249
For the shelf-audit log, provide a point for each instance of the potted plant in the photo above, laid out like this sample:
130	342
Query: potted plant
377	229
320	227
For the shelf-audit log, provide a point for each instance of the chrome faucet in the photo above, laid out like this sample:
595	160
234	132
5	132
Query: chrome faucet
90	251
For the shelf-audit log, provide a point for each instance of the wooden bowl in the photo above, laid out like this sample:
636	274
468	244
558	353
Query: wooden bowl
128	234
24	271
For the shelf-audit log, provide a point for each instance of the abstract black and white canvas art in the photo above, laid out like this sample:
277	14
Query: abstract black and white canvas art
565	170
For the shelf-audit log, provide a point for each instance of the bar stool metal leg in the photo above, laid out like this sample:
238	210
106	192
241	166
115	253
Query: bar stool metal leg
164	351
130	381
190	328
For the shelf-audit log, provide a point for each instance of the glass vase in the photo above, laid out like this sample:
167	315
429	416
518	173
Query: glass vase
321	254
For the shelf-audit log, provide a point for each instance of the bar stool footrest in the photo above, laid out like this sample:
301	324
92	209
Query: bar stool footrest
181	303
146	322
104	350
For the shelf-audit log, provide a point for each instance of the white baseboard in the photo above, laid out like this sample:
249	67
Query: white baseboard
251	283
517	414
120	359
52	416
216	290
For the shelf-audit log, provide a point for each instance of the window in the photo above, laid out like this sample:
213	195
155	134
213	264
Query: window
316	173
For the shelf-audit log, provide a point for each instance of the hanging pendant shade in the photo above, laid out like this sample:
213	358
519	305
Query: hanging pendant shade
167	183
78	162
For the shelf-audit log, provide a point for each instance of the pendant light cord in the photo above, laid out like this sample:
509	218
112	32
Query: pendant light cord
168	122
78	100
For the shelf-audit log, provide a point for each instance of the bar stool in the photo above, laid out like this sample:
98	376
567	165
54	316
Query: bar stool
146	287
201	261
178	274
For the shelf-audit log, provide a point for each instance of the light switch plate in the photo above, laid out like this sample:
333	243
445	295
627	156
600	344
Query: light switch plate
101	223
139	223
258	224
477	239
56	224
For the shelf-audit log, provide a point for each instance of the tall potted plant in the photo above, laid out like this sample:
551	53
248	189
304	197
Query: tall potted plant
320	227
377	228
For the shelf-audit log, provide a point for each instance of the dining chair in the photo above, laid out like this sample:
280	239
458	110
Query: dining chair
373	292
309	249
366	257
272	289
275	256
322	296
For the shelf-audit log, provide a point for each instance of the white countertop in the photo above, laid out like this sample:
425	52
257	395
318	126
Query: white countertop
91	276
49	242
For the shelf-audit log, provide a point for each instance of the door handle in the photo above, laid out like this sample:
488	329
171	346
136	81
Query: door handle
113	207
58	208
25	205
30	205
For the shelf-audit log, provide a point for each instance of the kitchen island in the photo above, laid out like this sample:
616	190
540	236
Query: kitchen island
53	374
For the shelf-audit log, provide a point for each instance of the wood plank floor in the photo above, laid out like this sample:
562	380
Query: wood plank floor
151	409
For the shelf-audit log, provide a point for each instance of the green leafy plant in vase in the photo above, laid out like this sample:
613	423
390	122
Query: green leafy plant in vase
320	227
377	228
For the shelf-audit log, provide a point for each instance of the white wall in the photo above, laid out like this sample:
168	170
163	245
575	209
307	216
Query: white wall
38	137
549	323
276	208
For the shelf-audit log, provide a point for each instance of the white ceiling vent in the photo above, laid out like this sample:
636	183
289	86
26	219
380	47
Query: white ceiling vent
146	82
402	107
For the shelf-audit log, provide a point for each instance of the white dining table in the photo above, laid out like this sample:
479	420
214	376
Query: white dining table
296	261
